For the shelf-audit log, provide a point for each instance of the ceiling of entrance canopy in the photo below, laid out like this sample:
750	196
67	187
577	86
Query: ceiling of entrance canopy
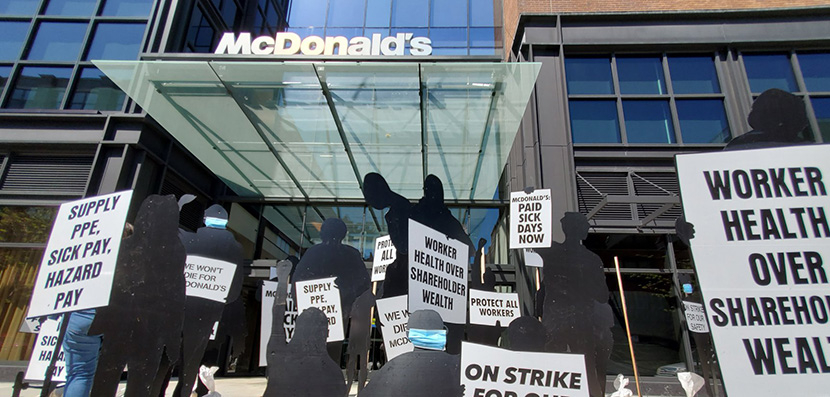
306	130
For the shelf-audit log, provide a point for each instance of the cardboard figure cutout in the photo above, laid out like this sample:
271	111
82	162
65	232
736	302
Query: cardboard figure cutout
360	329
214	242
331	258
420	372
483	334
379	196
705	348
526	334
576	311
300	367
777	117
142	325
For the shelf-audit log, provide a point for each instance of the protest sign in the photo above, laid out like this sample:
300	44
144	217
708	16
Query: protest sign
208	278
45	344
394	318
437	273
323	294
761	240
30	326
530	219
695	317
269	292
486	308
385	254
492	372
78	263
533	259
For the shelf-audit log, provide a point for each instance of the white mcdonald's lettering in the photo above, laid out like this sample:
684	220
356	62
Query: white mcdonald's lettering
288	43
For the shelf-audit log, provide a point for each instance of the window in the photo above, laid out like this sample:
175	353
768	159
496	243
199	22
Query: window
410	13
58	41
201	33
95	91
307	13
12	39
656	99
378	13
448	13
117	41
40	88
345	13
765	71
18	7
5	71
73	8
821	107
482	13
127	8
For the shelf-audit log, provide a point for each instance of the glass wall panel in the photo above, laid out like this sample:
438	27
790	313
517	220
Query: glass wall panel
12	39
814	68
693	75
594	122
5	71
26	224
410	13
821	107
201	34
95	91
18	269
703	121
72	8
641	75
378	13
648	122
448	37
765	71
127	8
39	88
307	13
58	41
448	13
18	7
589	76
345	13
483	37
482	13
116	41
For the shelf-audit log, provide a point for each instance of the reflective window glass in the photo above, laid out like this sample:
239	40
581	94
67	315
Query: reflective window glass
481	13
821	106
12	39
594	122
693	75
18	7
71	7
589	75
307	13
448	37
641	75
703	121
229	10
449	51
378	13
57	41
127	8
39	88
410	13
18	269
345	13
448	13
483	37
116	41
483	51
95	91
26	224
815	67
345	32
648	122
765	71
201	33
5	71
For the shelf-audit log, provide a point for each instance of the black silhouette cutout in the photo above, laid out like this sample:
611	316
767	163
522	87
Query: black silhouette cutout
330	258
704	346
142	325
420	372
576	311
777	117
476	333
201	314
300	367
360	329
526	334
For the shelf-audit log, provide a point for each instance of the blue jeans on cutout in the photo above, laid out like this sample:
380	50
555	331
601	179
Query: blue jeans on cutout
81	353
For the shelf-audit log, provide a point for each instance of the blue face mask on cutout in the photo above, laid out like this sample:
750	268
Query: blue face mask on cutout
432	339
215	223
687	288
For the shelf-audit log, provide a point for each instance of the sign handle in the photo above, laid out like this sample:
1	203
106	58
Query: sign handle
47	380
627	327
538	280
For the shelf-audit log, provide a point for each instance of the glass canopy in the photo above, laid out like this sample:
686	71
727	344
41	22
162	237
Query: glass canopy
306	130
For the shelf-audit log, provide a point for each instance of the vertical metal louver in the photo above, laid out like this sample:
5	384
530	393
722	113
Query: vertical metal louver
634	198
656	184
48	174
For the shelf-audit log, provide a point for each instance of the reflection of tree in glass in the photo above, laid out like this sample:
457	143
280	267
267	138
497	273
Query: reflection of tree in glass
26	224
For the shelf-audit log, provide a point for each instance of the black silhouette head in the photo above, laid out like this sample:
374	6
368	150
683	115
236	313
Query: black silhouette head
526	334
216	211
312	327
333	230
575	225
779	114
489	280
376	191
433	190
426	319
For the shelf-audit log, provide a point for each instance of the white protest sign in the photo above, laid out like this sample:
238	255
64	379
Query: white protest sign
760	247
490	371
324	295
437	273
269	291
208	278
530	219
79	260
30	326
385	254
45	344
533	259
214	330
695	317
394	319
487	307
